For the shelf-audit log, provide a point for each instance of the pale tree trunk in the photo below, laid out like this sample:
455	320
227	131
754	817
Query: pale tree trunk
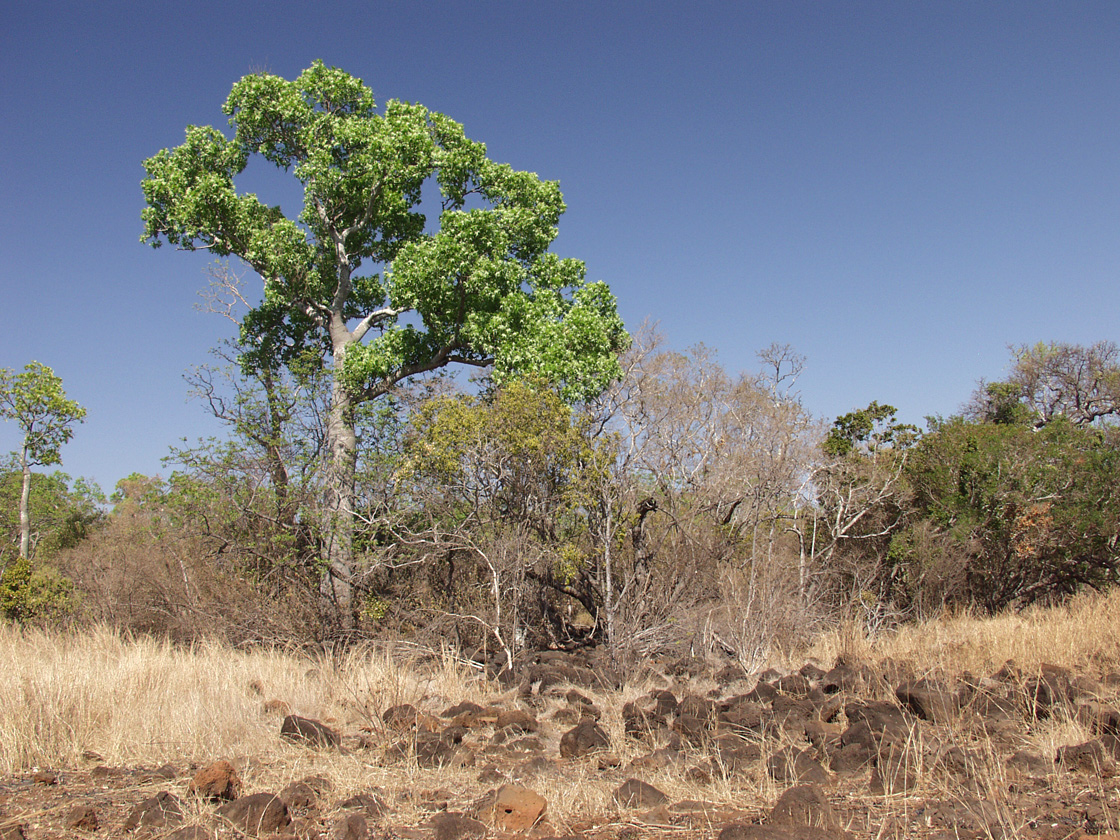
336	587
24	507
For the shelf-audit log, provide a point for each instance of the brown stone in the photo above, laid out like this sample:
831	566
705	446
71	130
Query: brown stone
793	765
449	825
634	793
747	831
803	805
369	804
216	781
350	827
516	720
512	808
82	817
258	813
1089	757
190	832
299	795
161	810
586	737
308	731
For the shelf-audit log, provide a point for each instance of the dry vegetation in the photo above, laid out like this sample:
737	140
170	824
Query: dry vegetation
71	700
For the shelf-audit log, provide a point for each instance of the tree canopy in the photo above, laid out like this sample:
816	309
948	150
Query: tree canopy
362	278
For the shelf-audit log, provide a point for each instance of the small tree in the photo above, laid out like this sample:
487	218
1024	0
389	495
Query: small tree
36	401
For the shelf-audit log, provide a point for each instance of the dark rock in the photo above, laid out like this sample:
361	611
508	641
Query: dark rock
583	739
350	827
464	708
812	672
793	765
368	803
449	825
803	805
161	810
435	749
516	720
190	832
308	731
299	795
83	817
895	771
634	793
258	813
747	831
928	701
795	685
1089	757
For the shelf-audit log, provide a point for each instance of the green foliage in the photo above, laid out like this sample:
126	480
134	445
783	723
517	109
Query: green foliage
64	510
483	288
868	430
1035	511
34	593
36	401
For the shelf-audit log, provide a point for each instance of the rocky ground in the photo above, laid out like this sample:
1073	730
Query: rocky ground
843	750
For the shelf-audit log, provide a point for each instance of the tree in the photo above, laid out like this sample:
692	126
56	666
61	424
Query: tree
36	401
1048	381
481	290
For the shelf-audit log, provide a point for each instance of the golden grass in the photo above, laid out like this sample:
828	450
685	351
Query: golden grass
1083	635
139	701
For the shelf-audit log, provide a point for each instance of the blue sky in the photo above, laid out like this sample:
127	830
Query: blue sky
897	189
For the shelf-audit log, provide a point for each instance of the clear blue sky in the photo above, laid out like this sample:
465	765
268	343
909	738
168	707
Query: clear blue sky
897	189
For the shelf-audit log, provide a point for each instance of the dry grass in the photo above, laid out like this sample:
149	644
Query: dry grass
1081	635
138	701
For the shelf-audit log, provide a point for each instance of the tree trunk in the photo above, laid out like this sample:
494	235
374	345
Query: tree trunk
24	506
336	587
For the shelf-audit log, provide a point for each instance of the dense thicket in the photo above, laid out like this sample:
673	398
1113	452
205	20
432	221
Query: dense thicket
686	509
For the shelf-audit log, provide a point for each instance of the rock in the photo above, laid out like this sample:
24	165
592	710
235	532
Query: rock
465	708
793	765
803	805
308	731
44	777
747	831
795	685
159	811
449	825
190	832
1089	757
516	720
894	771
258	813
166	771
512	808
350	827
216	781
928	701
586	737
299	795
369	804
82	817
634	793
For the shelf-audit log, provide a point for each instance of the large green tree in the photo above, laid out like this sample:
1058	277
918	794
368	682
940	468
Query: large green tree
34	399
360	274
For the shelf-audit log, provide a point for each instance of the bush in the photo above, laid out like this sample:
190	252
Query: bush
32	593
